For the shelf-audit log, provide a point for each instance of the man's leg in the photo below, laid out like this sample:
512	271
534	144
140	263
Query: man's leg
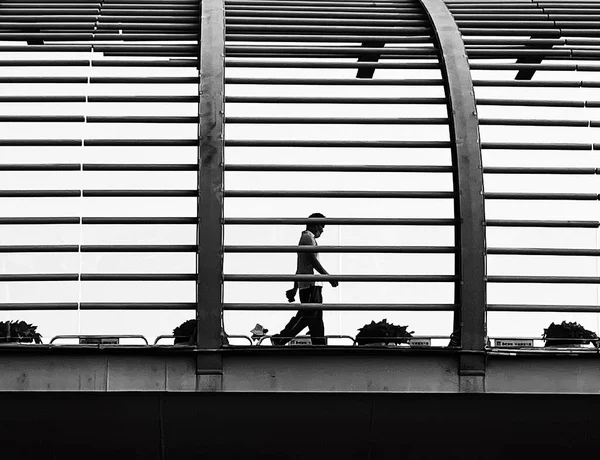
316	329
292	329
314	318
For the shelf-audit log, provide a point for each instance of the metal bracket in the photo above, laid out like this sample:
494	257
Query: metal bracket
472	364
209	370
471	372
209	362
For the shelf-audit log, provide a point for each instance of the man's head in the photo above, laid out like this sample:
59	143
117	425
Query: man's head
316	229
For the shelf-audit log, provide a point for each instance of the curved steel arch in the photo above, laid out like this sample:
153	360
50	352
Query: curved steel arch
468	179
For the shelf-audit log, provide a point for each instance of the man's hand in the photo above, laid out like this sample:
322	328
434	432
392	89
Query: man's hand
291	294
334	283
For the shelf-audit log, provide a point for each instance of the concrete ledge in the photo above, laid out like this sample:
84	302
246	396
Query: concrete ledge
341	373
43	368
95	372
292	369
543	373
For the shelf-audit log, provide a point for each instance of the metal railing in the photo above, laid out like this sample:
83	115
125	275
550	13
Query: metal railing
100	339
533	343
413	341
170	336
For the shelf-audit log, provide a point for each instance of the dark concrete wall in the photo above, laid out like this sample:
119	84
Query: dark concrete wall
376	426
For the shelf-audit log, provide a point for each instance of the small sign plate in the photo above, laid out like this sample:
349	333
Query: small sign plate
301	341
419	342
98	341
513	343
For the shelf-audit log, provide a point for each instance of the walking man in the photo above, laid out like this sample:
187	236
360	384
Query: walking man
310	291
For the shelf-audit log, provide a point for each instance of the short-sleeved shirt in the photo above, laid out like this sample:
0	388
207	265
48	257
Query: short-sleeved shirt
304	266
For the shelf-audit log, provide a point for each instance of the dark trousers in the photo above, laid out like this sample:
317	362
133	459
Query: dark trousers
312	318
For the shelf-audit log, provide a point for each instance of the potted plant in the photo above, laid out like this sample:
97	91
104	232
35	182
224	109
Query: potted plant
566	331
18	331
382	333
185	333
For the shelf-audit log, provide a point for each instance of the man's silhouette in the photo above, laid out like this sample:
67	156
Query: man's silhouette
310	291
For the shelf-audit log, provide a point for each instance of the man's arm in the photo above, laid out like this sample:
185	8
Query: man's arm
318	267
306	240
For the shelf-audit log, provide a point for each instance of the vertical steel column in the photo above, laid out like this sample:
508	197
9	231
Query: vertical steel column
468	182
210	200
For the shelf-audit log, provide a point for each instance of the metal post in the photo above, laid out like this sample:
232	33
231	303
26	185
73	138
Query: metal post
468	182
210	199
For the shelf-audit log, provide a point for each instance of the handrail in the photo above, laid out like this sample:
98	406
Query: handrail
337	221
95	336
544	308
414	337
340	306
582	341
579	339
264	337
164	336
341	249
238	336
344	278
229	336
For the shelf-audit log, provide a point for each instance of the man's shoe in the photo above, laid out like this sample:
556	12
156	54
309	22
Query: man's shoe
276	341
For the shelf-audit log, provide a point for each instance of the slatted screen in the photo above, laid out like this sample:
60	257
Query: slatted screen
335	107
98	159
537	82
338	108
